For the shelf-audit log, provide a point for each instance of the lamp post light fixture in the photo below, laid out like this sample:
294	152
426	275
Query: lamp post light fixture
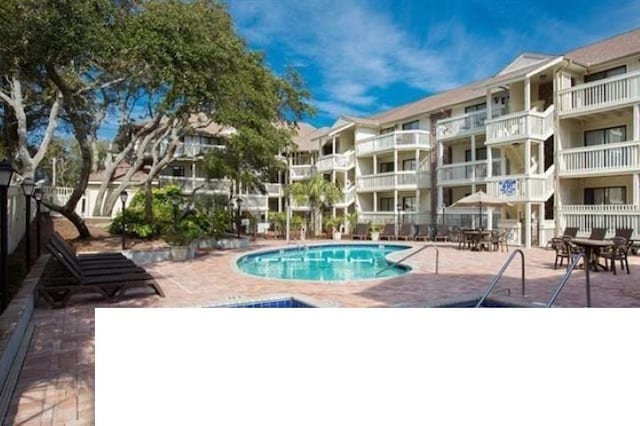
123	197
6	173
37	194
238	205
27	186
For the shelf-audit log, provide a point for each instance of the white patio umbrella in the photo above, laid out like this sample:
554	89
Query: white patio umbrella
481	199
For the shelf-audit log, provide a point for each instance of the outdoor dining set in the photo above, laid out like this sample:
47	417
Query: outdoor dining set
596	248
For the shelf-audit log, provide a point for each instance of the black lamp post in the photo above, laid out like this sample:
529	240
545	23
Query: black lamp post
6	173
238	204
123	197
27	189
37	194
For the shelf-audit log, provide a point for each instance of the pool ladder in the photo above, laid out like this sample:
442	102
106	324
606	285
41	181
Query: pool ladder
563	281
394	264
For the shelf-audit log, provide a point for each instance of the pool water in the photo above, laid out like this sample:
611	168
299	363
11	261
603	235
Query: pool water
287	302
332	262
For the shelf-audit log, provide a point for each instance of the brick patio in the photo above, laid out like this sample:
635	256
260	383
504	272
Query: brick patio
56	385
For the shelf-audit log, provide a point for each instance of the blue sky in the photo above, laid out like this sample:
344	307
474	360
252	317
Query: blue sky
360	57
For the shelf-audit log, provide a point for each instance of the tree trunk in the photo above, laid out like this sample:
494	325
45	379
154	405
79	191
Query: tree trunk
73	217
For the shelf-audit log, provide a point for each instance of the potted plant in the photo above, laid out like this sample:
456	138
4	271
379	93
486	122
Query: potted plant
332	225
375	232
179	240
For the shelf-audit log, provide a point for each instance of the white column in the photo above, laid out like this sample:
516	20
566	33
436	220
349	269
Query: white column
636	189
540	158
503	162
489	104
473	157
396	168
333	145
527	225
527	94
636	122
440	155
490	162
527	156
193	175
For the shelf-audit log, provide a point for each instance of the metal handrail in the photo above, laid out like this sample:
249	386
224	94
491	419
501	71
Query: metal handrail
500	274
426	246
567	275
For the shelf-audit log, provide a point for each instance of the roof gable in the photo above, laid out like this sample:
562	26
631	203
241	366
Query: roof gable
524	60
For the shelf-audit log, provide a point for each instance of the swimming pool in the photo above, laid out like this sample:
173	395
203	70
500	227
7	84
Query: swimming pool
327	262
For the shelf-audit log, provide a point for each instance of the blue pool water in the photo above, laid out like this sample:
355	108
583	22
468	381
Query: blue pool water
332	262
287	302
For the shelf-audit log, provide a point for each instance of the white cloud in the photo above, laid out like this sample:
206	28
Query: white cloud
357	49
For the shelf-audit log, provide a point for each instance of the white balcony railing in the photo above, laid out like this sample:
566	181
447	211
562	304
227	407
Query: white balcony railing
348	198
520	125
255	202
417	139
274	189
467	124
464	173
301	172
521	188
622	157
331	162
188	184
394	180
190	149
601	94
586	217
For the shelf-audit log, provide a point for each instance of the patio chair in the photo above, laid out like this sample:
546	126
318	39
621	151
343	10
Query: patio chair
406	232
619	251
91	268
67	280
442	233
598	233
64	246
562	250
499	240
361	232
389	232
422	232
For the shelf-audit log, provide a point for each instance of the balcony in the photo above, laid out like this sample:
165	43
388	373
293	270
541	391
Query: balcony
586	217
301	172
348	198
255	202
600	95
519	126
332	162
614	158
188	184
465	173
274	189
405	180
399	140
189	149
465	125
522	188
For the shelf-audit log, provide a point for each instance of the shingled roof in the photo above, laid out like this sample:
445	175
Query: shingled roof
607	50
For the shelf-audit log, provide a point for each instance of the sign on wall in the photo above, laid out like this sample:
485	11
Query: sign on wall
508	187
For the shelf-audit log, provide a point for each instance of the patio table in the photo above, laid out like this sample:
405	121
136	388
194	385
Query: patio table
478	239
592	250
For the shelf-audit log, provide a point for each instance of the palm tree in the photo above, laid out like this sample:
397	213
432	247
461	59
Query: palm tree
317	193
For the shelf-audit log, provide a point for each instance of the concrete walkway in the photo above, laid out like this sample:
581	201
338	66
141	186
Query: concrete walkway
56	385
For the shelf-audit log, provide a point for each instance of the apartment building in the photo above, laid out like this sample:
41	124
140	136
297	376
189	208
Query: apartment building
555	136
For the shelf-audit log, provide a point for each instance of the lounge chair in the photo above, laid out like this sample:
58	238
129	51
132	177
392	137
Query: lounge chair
423	232
625	233
111	282
361	232
570	231
107	266
442	233
389	232
64	246
598	233
406	232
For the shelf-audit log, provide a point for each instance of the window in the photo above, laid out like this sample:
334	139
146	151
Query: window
387	130
409	203
607	195
385	204
177	171
481	154
474	108
602	136
411	125
605	74
386	167
409	164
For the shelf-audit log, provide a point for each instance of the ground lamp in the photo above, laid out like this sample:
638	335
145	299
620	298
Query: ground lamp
27	186
238	204
123	197
37	194
6	173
